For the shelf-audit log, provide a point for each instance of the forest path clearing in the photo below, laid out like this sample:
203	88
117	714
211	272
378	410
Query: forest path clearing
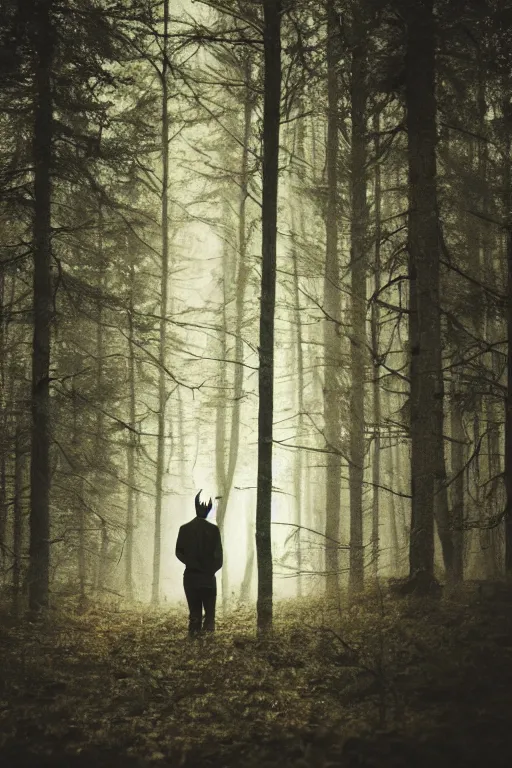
386	687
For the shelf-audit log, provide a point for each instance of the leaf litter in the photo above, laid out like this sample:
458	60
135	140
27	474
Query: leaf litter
391	683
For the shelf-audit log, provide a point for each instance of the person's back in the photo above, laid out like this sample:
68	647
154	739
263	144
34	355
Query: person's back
199	548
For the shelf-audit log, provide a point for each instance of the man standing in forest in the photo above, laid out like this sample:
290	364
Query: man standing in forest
199	547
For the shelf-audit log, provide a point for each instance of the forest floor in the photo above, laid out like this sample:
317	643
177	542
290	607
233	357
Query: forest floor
389	683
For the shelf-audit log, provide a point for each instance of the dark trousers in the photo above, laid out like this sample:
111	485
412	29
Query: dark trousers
201	593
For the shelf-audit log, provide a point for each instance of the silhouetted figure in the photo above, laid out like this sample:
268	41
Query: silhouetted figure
199	547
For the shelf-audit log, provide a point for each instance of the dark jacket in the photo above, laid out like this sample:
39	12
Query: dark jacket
199	547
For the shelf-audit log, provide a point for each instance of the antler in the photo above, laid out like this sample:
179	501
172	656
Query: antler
200	505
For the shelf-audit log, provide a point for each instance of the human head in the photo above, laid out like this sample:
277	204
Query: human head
202	509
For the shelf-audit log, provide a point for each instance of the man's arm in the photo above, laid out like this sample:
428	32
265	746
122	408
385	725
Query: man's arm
217	553
180	546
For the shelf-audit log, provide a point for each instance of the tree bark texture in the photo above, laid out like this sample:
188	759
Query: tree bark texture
103	564
131	448
162	389
424	318
457	471
332	309
375	328
298	459
395	561
3	426
507	204
80	499
17	538
508	413
221	410
358	339
39	551
493	561
99	440
271	130
297	216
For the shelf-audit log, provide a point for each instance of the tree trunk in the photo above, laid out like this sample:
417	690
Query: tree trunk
297	216
82	567
395	542
494	473
3	500
424	316
17	522
7	403
492	334
39	569
131	448
271	128
395	481
99	437
245	588
442	515
358	340
221	415
182	444
508	412
103	558
298	463
457	469
479	248
81	562
507	202
401	468
242	276
332	308
3	426
162	394
375	329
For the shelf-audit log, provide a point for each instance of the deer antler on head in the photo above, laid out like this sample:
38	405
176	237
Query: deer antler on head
202	509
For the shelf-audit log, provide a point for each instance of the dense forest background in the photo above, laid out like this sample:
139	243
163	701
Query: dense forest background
263	249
